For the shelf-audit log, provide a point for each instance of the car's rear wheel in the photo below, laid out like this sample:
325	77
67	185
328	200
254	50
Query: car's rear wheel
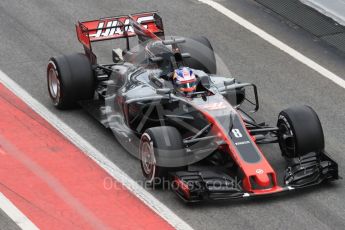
69	78
202	54
300	132
161	151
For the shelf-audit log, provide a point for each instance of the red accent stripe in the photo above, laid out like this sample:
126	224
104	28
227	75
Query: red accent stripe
188	90
248	169
186	81
54	184
180	185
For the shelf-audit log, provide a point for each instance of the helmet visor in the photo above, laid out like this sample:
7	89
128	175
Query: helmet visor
187	87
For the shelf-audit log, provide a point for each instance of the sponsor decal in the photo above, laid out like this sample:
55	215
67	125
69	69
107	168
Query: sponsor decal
259	171
113	27
215	106
242	143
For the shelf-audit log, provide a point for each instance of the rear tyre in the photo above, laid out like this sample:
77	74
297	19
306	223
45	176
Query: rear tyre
300	132
202	54
70	79
161	151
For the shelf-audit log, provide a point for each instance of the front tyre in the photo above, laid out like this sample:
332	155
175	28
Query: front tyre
300	132
161	151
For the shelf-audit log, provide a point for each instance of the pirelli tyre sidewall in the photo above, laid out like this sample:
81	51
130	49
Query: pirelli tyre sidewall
304	131
161	151
69	79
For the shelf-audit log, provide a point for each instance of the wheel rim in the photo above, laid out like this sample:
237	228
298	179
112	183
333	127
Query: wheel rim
286	140
54	83
148	159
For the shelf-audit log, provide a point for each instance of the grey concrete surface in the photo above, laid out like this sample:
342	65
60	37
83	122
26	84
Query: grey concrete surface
299	15
32	31
6	223
334	9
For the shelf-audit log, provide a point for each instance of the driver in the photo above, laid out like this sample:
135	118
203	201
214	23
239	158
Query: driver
184	80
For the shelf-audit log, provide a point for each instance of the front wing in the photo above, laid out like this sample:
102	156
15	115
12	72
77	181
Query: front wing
311	169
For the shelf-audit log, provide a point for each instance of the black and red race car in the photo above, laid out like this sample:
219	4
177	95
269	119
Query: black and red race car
207	142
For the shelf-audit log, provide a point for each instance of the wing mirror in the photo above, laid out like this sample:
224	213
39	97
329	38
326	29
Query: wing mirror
229	82
173	41
156	59
186	55
163	91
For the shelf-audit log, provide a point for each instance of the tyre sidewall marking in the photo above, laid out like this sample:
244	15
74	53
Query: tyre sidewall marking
148	139
56	100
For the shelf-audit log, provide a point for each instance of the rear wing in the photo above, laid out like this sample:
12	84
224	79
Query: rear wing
147	24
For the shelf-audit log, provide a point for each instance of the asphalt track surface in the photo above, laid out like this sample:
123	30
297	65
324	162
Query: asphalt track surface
32	31
6	222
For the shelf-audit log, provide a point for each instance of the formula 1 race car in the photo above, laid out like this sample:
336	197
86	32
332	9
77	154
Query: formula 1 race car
204	142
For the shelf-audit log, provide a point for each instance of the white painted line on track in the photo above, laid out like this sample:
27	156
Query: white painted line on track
119	175
275	42
15	214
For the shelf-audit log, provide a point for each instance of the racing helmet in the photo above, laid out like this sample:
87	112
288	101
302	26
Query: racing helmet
184	80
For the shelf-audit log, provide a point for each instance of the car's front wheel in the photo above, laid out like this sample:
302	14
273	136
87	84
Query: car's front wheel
161	151
300	132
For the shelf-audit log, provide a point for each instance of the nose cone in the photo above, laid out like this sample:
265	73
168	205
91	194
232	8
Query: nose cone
262	180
